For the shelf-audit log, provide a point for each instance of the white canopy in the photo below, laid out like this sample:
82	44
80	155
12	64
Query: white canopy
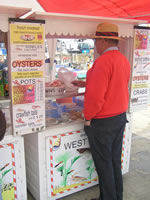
80	25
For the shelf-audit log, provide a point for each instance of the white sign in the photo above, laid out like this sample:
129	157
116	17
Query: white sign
71	165
141	70
27	59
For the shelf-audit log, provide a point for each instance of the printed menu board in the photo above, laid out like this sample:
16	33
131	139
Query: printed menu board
27	58
141	69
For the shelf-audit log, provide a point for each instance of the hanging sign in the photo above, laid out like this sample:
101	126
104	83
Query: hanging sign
27	58
141	69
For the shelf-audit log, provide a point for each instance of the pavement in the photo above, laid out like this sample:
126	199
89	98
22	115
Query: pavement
137	180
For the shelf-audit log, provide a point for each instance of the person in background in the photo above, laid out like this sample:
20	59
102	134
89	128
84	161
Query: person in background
3	63
105	106
2	125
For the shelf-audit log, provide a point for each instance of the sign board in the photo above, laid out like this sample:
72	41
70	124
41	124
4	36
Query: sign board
70	164
8	185
141	69
12	169
27	59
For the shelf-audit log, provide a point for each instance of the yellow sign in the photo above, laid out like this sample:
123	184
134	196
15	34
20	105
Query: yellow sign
142	85
28	74
26	34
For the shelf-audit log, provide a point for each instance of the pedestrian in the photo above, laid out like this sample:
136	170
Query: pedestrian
2	125
105	106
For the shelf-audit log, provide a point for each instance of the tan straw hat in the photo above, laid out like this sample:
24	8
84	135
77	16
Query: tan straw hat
107	30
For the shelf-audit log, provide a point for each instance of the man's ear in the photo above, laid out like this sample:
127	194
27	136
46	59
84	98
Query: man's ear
105	40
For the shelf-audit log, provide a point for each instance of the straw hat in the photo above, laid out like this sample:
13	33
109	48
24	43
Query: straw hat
107	30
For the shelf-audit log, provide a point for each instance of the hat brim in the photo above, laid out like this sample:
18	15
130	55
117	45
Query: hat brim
106	37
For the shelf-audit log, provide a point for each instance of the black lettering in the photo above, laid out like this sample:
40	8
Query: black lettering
84	141
74	144
67	146
79	143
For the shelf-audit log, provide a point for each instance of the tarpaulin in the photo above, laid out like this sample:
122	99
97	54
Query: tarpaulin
139	9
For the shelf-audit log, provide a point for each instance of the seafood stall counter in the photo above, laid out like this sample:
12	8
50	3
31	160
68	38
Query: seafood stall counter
58	159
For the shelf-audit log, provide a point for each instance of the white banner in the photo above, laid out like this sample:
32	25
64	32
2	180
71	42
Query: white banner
141	70
27	60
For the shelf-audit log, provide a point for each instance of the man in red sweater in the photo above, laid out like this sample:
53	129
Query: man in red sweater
105	106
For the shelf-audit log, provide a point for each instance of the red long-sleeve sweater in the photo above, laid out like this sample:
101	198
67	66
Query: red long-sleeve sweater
107	86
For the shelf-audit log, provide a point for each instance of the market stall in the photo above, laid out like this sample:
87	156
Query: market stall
61	152
12	159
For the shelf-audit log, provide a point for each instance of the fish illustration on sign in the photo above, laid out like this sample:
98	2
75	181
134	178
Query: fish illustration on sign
30	88
35	107
2	168
146	65
83	150
16	82
20	110
57	144
75	178
39	81
39	120
58	164
20	121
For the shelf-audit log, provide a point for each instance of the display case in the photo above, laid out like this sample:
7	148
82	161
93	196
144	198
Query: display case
58	159
59	162
61	153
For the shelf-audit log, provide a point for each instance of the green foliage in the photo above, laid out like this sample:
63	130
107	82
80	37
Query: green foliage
3	174
90	168
60	169
63	168
74	160
64	158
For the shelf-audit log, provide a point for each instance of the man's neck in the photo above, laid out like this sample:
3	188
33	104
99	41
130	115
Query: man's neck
110	48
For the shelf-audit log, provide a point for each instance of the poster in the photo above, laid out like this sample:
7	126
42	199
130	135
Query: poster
27	91
29	118
8	186
141	70
70	163
27	60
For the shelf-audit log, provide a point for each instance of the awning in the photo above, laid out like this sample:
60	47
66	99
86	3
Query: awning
107	8
80	25
10	12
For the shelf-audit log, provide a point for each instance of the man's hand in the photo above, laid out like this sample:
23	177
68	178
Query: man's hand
87	123
78	83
